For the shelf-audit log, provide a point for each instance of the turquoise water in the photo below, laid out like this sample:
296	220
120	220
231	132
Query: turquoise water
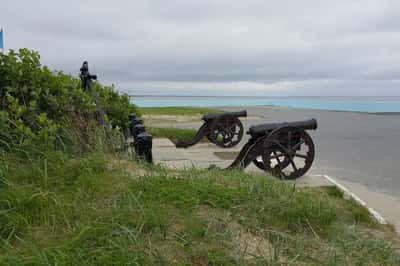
357	104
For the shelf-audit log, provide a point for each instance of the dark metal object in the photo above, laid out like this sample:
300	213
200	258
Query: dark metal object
134	121
86	77
86	83
143	145
137	129
224	130
285	150
131	116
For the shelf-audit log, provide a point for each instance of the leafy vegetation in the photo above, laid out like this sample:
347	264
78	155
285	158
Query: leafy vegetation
39	107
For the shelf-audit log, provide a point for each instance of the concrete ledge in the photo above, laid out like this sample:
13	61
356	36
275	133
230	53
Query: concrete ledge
350	195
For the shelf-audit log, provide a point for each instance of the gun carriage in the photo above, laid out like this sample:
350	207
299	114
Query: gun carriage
225	130
285	150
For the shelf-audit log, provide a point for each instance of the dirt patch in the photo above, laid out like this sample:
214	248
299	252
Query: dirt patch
131	168
244	243
227	155
249	244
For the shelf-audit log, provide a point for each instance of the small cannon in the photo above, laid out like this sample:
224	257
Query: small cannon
224	130
285	150
86	77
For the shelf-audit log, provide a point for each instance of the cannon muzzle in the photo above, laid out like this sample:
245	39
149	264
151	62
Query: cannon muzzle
242	113
310	124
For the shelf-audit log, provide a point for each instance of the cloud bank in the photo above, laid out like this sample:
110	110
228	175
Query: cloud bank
217	47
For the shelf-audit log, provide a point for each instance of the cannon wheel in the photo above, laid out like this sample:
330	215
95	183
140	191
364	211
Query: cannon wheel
289	161
226	132
260	163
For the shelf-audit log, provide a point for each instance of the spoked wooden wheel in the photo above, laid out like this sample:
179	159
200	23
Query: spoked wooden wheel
260	163
226	132
288	153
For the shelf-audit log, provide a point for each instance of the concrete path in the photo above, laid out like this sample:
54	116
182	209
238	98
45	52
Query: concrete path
203	155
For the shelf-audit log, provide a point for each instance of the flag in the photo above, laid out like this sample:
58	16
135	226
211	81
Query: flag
1	41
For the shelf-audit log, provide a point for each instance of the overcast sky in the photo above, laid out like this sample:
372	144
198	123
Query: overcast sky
215	47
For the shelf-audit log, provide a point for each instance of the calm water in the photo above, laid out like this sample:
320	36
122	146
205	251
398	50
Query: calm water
358	104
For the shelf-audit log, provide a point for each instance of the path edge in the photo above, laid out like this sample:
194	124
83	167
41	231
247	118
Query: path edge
347	193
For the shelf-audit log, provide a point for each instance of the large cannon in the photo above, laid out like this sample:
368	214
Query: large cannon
285	150
224	130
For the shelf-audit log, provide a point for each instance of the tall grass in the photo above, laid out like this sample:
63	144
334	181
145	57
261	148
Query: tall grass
102	209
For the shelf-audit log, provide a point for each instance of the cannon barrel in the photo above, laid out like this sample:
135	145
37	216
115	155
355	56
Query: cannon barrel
242	113
258	130
310	124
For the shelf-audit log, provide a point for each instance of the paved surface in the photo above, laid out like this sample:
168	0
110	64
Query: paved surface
205	154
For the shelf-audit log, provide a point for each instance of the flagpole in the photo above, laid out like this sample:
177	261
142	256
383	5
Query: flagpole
1	40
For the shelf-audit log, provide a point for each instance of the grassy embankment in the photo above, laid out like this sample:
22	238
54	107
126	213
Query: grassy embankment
156	115
102	209
76	201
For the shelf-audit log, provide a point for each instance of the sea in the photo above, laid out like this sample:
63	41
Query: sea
370	104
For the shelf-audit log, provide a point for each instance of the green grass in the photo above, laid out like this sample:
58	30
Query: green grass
191	111
104	209
174	134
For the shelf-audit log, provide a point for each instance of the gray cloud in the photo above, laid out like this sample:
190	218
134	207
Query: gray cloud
308	47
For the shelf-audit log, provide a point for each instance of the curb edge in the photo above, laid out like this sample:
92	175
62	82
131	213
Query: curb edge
376	215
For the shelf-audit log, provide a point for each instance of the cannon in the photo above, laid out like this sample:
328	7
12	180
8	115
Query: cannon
285	150
224	129
86	77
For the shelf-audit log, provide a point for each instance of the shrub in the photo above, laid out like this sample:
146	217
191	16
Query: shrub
39	106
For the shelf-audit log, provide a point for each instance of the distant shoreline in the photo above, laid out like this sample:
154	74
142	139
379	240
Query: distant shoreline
280	107
364	104
308	109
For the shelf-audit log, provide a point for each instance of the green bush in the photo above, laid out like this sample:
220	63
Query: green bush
41	107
